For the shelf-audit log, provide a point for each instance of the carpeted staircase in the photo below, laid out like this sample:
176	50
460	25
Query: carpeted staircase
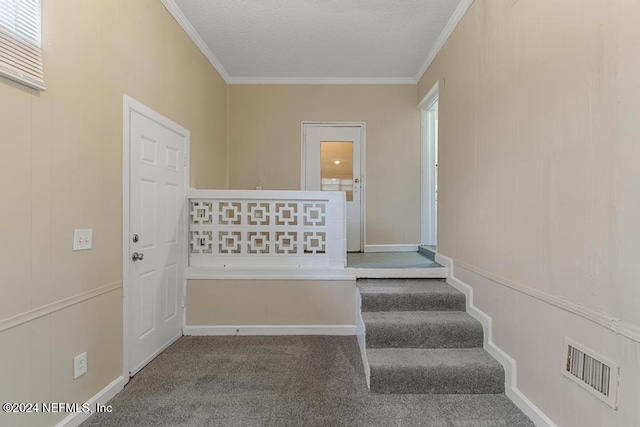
419	339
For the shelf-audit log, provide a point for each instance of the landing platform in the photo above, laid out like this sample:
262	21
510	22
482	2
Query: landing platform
380	265
393	265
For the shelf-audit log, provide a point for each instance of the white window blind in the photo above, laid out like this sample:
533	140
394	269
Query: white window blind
20	42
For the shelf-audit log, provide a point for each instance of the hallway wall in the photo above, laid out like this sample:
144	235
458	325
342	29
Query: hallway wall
265	145
270	302
61	168
539	183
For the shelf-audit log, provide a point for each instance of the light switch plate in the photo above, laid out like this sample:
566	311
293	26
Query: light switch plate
82	239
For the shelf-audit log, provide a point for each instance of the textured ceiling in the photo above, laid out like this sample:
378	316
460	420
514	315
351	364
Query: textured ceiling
375	39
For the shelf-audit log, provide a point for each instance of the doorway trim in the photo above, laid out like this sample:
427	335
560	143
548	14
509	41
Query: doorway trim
363	167
130	105
428	213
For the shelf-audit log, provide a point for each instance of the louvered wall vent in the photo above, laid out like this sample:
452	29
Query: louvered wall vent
591	371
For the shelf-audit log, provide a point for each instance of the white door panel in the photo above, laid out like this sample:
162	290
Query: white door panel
332	162
157	201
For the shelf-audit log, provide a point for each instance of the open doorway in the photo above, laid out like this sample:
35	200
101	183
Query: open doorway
429	188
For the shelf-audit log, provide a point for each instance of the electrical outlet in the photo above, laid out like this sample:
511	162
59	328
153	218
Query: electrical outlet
79	365
82	239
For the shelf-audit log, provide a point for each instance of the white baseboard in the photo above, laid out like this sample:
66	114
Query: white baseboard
509	364
103	396
193	330
361	336
392	248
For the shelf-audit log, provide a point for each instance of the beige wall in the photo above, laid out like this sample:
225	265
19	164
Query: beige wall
265	144
61	168
270	302
539	184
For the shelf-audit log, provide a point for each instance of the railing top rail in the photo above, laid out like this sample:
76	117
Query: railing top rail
266	194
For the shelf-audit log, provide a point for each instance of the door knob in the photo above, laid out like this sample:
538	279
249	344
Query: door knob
357	180
137	256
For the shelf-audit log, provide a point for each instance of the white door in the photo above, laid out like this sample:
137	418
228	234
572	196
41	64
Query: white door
332	156
156	240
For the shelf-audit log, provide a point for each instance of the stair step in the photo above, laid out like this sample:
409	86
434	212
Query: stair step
434	371
422	329
410	295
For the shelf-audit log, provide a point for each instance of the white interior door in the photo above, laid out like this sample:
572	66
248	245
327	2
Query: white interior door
156	241
332	162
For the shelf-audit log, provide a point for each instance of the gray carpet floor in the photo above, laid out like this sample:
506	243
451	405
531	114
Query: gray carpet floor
389	260
284	381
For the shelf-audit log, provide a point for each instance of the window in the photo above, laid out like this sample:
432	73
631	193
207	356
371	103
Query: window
336	167
20	42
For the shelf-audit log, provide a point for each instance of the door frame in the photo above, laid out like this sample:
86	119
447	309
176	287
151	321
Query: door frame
130	105
363	163
428	208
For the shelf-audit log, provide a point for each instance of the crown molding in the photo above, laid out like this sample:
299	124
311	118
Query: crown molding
444	36
175	11
322	80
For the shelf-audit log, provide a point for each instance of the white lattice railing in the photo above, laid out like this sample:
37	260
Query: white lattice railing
263	229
